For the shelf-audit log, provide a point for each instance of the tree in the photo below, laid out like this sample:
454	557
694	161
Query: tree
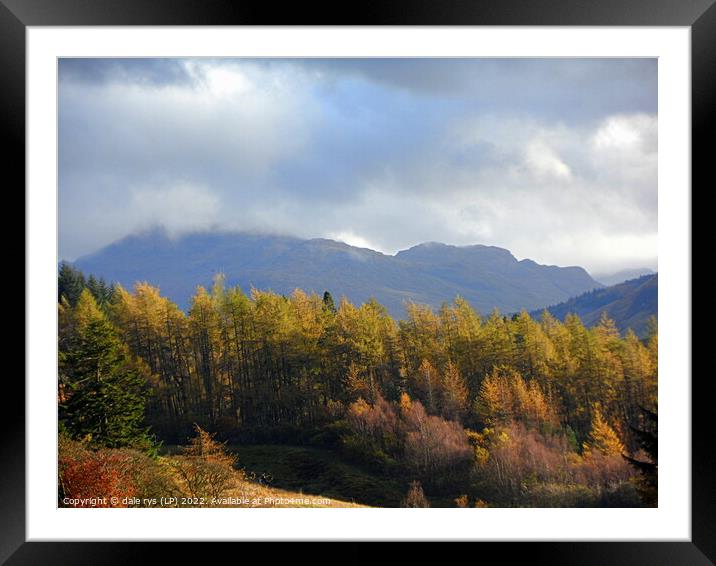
461	332
454	395
328	302
425	385
70	283
100	290
104	387
203	323
602	438
206	467
495	402
270	365
438	450
648	466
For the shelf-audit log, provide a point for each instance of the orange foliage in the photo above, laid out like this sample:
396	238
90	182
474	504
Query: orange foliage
93	478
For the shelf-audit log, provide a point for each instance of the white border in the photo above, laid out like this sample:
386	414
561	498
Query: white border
671	521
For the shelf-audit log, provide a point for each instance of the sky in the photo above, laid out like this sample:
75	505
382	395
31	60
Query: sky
553	159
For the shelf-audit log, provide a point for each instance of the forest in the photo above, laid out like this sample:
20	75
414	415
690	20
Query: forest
442	408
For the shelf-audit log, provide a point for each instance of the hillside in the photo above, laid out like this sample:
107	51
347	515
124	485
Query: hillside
252	494
608	279
430	273
629	304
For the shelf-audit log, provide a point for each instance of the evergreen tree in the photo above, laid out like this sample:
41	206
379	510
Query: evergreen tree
105	393
649	467
328	302
101	292
70	283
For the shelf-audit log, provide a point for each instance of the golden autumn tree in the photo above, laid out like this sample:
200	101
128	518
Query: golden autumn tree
424	384
602	438
495	403
454	393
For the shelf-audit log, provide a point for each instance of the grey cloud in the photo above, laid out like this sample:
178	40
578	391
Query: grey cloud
127	70
566	88
539	156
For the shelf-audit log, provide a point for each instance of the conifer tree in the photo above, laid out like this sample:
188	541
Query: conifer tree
328	302
495	403
70	283
105	393
602	438
648	467
454	394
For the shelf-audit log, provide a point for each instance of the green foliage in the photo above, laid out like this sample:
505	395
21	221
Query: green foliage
320	471
646	463
70	283
103	387
328	302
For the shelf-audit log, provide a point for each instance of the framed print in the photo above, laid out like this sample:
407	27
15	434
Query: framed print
387	279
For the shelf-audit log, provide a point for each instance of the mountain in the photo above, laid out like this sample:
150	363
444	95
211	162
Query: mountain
629	304
608	279
429	273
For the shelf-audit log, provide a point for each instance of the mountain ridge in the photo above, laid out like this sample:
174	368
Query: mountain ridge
630	304
623	275
431	273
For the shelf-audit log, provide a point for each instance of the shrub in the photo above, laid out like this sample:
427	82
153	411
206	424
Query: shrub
205	467
93	477
415	496
377	422
603	471
560	495
366	453
462	501
520	458
435	448
623	494
153	478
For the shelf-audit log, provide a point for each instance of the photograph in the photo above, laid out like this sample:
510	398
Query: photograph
423	282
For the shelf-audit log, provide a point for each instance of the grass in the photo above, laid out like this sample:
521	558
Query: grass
314	471
311	470
254	485
252	494
308	471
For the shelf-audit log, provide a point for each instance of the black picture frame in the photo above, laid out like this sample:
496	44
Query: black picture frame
16	15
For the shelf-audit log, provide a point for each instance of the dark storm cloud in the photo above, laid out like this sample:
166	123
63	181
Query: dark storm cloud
552	158
560	88
130	70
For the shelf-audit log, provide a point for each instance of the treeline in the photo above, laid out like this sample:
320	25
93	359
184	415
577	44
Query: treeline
266	366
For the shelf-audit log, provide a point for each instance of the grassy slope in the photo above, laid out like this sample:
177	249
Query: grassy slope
318	471
262	462
298	471
261	496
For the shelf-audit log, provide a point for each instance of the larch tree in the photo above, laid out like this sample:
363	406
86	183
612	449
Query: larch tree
602	438
454	396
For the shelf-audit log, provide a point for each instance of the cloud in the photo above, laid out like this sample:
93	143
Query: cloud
178	208
545	163
554	159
